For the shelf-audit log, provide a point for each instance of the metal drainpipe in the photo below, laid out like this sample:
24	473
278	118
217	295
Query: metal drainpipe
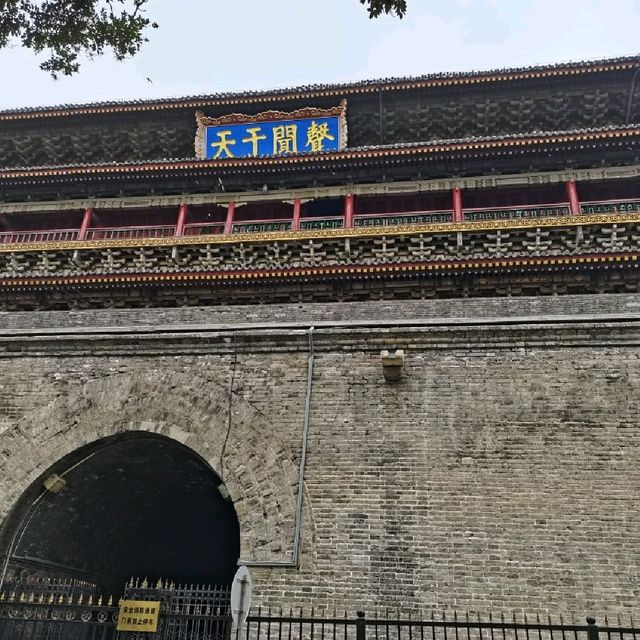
295	556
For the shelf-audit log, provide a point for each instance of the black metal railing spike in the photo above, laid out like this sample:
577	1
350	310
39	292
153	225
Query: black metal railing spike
539	629
361	626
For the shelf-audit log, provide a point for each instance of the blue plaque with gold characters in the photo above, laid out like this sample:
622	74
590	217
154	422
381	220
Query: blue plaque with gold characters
272	133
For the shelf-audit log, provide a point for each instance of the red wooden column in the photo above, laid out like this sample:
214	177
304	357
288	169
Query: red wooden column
457	205
574	202
297	205
228	225
348	211
86	223
182	219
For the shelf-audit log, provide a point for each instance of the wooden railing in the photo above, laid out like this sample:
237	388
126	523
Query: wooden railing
401	219
360	220
260	226
554	210
203	228
333	222
111	233
610	206
47	235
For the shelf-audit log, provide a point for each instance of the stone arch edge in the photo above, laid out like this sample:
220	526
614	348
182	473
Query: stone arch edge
256	474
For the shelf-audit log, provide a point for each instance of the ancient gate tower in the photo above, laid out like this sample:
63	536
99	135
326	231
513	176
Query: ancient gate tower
377	341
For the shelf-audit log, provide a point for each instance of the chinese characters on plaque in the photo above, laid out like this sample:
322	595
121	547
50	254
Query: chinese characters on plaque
138	615
271	133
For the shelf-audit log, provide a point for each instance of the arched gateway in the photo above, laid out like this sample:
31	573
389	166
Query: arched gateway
134	504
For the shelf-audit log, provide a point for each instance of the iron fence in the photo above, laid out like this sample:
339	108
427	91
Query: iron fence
57	621
191	612
198	612
390	626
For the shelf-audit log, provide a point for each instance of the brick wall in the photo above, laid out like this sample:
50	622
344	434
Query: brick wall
336	311
501	473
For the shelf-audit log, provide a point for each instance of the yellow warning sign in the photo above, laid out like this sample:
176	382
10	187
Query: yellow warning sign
138	615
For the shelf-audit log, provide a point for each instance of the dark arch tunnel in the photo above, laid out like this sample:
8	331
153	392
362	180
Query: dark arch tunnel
140	505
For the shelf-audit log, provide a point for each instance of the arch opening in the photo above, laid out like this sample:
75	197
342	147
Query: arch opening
133	505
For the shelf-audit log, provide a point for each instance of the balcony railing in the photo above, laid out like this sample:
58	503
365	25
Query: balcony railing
360	220
51	235
112	233
333	222
203	228
401	219
260	226
556	210
610	206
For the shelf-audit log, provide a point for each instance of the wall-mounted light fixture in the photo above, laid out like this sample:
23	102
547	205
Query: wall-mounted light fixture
54	483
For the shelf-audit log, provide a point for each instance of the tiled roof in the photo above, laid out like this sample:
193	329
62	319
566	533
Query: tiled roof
426	148
320	90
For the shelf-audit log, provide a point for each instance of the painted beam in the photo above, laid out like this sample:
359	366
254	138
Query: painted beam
310	193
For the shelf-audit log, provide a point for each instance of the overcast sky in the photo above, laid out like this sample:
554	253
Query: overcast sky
209	46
